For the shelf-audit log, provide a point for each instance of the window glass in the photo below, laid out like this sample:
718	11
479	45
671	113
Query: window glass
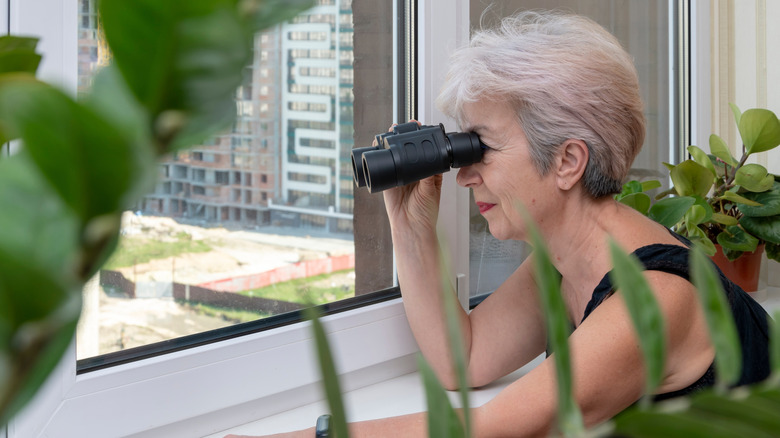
644	30
258	222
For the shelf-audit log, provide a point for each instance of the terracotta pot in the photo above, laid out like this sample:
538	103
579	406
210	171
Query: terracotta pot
742	271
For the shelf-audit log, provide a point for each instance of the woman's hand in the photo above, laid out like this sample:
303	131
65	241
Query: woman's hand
414	206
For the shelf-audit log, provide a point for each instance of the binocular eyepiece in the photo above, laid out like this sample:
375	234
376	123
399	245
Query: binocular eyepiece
411	152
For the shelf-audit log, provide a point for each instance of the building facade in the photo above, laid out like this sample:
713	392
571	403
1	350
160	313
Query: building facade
286	160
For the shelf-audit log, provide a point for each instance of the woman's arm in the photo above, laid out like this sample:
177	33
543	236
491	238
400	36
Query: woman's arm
502	334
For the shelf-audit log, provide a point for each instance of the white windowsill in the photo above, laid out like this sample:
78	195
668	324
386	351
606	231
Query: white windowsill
398	396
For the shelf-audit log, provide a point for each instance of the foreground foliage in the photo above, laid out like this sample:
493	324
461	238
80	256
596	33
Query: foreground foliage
171	83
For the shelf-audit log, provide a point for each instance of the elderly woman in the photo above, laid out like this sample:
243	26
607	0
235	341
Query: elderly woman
555	99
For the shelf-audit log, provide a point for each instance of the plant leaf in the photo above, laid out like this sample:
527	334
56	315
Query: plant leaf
736	239
765	228
733	197
646	316
650	185
638	201
454	334
723	332
700	239
736	111
84	158
263	14
669	211
760	130
695	215
719	148
774	342
702	158
754	177
773	251
182	59
762	204
724	219
691	178
330	378
548	284
442	419
748	412
17	54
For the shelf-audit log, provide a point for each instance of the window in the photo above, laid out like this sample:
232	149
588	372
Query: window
190	262
644	29
209	388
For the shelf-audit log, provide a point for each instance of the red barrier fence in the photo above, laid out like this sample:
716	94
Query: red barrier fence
303	269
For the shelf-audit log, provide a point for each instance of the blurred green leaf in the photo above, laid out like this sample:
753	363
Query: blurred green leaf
85	159
39	228
638	201
548	284
719	148
763	204
754	177
745	412
701	157
454	335
330	378
182	59
669	211
765	228
736	239
262	14
38	249
39	346
691	178
774	343
455	339
443	421
760	130
646	316
17	54
723	332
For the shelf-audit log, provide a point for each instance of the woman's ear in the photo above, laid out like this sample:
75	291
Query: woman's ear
571	162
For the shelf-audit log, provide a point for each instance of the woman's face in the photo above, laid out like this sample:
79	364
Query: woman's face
506	176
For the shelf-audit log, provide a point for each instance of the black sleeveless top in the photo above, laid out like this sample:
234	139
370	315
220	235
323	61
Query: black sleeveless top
750	318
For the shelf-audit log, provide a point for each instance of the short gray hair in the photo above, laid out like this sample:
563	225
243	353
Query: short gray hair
566	77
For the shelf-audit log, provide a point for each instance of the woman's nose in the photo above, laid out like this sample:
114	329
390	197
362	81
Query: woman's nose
468	176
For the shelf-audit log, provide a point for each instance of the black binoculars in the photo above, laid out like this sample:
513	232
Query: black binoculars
411	152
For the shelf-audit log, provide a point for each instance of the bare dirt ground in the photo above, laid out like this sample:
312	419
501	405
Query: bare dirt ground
111	323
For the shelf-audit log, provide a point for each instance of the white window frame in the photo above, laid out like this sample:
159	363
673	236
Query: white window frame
207	389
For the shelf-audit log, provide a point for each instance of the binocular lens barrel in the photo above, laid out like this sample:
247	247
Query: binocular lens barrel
410	153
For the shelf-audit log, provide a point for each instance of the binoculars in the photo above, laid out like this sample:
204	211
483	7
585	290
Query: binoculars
411	152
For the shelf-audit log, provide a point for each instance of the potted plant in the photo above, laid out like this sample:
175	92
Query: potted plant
730	207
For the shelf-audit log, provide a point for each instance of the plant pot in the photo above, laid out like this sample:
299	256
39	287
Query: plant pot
742	271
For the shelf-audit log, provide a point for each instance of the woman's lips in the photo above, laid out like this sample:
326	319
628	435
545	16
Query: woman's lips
484	206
